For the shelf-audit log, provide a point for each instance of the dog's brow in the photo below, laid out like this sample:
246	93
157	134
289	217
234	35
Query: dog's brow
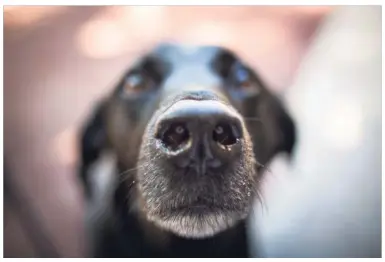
180	55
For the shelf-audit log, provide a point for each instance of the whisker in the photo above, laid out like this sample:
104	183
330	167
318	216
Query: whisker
264	167
260	198
134	169
124	178
258	192
129	170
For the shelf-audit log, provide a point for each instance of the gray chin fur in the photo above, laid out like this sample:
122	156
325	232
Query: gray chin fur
197	227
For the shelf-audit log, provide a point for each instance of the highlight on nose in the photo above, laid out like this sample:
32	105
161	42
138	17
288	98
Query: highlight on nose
202	133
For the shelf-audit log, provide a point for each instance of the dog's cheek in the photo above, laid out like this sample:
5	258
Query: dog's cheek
151	182
247	175
123	134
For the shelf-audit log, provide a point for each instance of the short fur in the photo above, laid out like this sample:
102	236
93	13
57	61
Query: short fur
151	212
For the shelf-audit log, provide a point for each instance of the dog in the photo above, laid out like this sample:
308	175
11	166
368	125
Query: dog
183	137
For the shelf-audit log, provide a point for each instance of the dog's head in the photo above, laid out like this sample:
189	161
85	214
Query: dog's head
191	127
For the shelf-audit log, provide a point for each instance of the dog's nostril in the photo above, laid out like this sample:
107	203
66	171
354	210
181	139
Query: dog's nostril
175	136
225	134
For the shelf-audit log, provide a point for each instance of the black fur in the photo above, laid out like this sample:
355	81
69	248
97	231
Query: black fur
145	218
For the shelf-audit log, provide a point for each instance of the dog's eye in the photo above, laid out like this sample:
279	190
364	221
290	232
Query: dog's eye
242	77
136	82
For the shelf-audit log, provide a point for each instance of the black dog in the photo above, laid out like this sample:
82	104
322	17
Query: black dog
186	132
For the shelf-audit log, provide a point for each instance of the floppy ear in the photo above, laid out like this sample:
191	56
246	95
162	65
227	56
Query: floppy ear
93	140
276	130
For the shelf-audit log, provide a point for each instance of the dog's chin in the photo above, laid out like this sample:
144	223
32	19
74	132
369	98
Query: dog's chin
196	225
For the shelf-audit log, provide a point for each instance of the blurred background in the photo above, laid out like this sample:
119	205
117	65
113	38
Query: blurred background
59	60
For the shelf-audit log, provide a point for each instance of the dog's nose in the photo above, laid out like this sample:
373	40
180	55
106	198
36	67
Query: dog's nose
200	134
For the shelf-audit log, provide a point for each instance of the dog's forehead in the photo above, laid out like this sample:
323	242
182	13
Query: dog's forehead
186	55
190	66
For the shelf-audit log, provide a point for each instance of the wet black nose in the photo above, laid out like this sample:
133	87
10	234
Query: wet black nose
200	134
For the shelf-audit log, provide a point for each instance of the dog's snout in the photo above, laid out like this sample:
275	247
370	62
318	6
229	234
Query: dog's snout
200	134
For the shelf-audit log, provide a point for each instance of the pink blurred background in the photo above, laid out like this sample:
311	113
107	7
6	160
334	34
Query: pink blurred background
59	60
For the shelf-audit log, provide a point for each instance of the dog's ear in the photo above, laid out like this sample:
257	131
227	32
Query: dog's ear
276	130
93	140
